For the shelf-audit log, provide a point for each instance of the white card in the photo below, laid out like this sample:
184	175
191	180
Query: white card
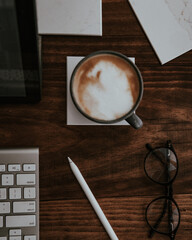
70	17
74	117
168	25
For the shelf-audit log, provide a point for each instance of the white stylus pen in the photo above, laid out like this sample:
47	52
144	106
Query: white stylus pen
92	200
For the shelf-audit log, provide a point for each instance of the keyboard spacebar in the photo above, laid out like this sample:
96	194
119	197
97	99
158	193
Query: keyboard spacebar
21	221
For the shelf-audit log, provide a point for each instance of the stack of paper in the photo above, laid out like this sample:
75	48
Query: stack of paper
70	17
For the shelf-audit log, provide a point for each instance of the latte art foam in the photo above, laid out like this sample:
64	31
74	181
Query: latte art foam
106	87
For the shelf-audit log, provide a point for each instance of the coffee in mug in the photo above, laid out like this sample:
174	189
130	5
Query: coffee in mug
106	87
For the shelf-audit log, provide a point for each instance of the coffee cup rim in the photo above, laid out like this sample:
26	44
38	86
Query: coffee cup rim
128	114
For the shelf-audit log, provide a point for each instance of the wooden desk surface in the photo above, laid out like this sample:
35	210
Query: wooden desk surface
110	158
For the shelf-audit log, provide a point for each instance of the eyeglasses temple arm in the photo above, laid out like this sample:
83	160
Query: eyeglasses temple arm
172	237
151	232
169	190
149	147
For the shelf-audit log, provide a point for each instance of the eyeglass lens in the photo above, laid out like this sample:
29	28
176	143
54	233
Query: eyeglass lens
161	165
163	215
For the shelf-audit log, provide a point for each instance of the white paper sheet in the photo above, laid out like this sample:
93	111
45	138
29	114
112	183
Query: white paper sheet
168	25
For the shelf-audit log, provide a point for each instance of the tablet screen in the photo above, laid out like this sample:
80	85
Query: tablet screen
19	62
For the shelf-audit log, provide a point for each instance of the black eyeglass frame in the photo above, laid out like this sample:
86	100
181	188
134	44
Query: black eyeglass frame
169	192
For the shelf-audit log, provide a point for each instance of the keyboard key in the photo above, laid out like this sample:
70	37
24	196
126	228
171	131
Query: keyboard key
29	193
15	232
15	193
29	167
3	193
30	237
2	168
19	194
21	221
14	167
4	207
1	221
25	179
24	207
7	179
15	238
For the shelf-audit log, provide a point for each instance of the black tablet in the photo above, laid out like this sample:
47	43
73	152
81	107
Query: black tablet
20	75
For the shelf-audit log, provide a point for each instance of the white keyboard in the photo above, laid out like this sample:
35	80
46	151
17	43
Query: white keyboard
19	194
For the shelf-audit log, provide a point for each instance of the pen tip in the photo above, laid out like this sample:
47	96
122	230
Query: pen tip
69	159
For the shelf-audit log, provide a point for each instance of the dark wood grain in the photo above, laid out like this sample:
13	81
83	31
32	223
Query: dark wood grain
75	219
110	157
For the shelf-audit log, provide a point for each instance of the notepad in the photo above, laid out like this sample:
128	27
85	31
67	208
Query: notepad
168	25
70	17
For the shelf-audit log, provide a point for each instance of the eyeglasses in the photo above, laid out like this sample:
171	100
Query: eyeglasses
162	214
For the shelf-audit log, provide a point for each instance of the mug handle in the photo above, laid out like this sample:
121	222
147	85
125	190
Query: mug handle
134	121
